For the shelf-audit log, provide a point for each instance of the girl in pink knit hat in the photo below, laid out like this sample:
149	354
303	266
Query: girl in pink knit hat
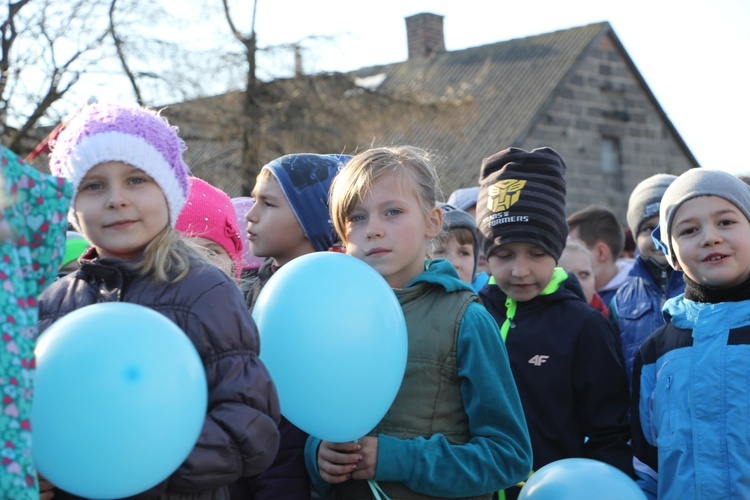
209	220
131	182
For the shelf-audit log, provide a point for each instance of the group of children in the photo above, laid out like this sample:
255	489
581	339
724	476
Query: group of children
505	374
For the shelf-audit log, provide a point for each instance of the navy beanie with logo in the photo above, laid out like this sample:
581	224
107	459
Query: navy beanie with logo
522	199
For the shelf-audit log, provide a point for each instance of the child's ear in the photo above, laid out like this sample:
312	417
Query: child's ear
434	222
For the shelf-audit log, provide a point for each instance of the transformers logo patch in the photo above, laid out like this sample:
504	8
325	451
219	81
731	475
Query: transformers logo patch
503	194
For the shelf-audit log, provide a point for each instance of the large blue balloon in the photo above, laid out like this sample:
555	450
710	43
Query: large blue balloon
333	337
120	399
580	479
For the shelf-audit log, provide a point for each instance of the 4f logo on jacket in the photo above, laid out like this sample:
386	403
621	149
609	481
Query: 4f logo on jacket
503	194
538	360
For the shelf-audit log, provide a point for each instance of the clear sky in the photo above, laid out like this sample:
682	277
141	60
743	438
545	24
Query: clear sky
694	55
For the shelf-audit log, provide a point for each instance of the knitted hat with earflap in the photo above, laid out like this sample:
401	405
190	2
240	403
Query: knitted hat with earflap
644	200
692	184
209	213
131	134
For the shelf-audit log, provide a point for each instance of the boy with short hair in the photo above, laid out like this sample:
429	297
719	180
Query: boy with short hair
466	199
604	236
457	242
563	353
636	307
289	219
290	215
691	397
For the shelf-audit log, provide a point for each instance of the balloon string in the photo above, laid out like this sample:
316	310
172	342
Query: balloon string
375	487
377	490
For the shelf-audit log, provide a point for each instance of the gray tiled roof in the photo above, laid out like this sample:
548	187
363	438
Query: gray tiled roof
488	97
462	106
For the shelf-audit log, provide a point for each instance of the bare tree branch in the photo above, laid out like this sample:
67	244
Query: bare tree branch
62	77
250	110
9	34
121	54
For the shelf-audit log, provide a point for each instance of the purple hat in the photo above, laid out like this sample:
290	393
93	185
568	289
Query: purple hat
131	134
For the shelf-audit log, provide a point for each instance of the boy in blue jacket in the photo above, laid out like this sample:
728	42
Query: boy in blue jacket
691	397
636	307
563	353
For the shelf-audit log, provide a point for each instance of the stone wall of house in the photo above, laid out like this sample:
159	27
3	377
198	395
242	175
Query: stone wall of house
604	100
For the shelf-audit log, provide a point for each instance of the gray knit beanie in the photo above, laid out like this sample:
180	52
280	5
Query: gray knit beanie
464	198
692	184
453	218
644	200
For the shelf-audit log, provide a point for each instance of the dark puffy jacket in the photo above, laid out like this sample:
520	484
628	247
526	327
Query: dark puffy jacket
286	478
254	284
569	371
240	435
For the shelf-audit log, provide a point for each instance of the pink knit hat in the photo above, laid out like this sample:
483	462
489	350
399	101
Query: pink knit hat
209	214
138	136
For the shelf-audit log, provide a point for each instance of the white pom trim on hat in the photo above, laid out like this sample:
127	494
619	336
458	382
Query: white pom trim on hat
130	149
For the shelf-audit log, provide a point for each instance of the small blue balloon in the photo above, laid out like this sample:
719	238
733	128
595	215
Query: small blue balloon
580	479
119	402
333	337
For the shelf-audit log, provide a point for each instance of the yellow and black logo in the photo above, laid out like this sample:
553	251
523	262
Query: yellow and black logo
503	194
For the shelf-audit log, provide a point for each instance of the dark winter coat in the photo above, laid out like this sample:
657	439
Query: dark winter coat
569	372
240	436
286	478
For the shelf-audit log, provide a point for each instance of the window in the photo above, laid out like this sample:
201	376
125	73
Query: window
610	161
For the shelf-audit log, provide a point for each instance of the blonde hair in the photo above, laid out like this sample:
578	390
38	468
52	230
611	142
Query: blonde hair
263	175
354	181
165	256
580	247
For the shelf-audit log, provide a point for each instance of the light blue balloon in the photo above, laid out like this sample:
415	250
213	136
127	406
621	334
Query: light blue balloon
580	479
120	399
333	337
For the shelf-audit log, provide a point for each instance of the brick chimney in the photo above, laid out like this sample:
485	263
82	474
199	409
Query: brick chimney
424	34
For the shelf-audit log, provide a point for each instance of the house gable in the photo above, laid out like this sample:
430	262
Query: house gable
573	90
605	100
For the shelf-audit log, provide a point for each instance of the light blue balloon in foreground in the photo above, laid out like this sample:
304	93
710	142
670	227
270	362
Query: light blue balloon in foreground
120	399
580	479
333	337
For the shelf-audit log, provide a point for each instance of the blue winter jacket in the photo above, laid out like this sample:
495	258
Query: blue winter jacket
637	307
691	403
